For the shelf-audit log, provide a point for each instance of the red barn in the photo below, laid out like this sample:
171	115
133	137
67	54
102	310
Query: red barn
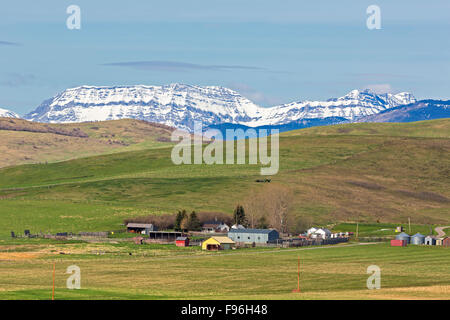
446	242
398	243
182	242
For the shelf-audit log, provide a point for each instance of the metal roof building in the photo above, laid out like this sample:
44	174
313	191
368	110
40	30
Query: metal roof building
143	228
417	238
430	241
254	235
403	236
217	243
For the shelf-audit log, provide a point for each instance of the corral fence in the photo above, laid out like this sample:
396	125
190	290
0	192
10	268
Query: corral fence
375	239
289	243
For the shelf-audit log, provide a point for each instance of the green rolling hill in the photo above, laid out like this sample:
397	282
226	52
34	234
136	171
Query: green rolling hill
367	172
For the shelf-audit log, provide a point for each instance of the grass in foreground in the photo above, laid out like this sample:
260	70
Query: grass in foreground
328	272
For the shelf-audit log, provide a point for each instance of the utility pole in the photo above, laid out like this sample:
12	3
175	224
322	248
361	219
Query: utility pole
409	224
357	230
298	277
53	288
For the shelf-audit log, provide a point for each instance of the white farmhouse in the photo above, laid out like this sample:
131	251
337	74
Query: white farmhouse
310	231
321	233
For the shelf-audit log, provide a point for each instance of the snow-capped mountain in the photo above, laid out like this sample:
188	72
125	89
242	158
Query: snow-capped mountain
422	110
175	105
8	114
179	105
352	106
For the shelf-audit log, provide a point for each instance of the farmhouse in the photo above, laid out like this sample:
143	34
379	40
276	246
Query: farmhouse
321	233
215	226
143	228
217	243
254	235
182	242
310	231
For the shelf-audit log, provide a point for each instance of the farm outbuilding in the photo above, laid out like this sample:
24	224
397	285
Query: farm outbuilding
182	242
163	236
217	243
142	228
398	243
439	241
417	239
446	242
430	241
254	235
403	236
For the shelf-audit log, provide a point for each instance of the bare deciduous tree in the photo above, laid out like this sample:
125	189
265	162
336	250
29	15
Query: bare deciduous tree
273	203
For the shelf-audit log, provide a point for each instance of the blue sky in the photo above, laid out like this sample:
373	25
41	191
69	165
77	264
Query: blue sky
270	51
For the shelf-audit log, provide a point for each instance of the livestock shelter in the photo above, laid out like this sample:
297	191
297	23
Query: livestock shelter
217	243
430	241
182	242
164	236
403	236
254	235
417	239
398	243
439	241
142	228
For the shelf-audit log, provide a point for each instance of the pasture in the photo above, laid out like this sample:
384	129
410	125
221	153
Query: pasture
108	271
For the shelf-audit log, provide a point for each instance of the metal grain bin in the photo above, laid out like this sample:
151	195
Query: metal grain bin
418	239
403	236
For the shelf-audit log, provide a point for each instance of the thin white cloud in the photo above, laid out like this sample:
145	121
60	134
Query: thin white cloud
379	88
177	66
254	95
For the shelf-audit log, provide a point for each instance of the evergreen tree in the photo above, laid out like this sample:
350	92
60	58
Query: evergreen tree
179	218
239	215
194	223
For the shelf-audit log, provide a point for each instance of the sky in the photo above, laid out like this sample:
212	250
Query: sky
271	52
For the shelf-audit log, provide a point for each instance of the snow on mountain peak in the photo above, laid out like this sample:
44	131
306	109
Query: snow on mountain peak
178	105
8	114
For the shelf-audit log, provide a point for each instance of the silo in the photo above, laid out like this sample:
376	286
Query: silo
418	239
403	236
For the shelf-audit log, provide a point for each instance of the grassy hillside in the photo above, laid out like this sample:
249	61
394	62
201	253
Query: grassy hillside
365	172
23	142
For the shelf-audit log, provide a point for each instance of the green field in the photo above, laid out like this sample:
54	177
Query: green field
378	175
167	272
371	173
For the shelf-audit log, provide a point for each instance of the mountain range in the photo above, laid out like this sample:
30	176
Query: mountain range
179	105
422	110
8	114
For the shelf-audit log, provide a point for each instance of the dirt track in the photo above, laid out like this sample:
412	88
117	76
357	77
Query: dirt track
440	231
